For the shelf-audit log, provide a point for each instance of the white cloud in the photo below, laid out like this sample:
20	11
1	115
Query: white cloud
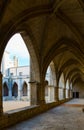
17	46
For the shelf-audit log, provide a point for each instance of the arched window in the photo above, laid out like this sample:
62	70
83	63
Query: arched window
24	90
5	89
15	90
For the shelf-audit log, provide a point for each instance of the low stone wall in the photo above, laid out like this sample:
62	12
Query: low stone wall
8	119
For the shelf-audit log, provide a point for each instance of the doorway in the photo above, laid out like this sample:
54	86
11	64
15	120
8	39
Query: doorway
75	94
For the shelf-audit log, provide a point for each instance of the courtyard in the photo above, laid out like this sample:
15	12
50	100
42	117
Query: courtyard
14	105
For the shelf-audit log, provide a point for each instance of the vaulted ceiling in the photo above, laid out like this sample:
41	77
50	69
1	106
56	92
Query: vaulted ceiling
56	28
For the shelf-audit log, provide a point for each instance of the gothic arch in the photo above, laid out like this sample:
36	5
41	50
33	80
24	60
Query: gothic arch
58	48
31	47
52	73
15	89
61	81
33	51
24	89
68	63
5	89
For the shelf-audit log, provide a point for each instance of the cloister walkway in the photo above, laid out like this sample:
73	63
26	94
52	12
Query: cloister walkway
68	116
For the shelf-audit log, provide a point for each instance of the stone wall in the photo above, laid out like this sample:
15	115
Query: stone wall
79	87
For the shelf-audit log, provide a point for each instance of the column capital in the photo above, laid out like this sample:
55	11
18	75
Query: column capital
34	82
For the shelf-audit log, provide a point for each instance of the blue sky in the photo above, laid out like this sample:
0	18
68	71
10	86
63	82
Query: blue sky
17	47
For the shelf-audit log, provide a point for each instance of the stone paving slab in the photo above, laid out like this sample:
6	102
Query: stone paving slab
59	118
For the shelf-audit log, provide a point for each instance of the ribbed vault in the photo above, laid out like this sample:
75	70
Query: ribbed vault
56	30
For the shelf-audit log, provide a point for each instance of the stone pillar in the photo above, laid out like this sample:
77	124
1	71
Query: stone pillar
34	87
28	91
51	93
10	87
41	93
19	89
33	93
69	93
56	93
64	93
10	93
19	94
1	101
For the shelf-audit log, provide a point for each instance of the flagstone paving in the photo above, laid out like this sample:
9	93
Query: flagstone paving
63	117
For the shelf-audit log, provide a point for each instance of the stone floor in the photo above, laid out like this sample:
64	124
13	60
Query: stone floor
64	117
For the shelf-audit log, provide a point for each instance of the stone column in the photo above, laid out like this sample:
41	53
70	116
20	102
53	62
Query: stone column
41	93
33	93
1	101
51	93
64	93
19	89
10	88
34	86
10	93
28	92
19	94
56	93
69	93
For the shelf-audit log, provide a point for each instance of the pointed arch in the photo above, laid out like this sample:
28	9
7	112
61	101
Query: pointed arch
61	81
5	89
51	74
67	84
24	89
50	84
15	89
62	45
30	42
